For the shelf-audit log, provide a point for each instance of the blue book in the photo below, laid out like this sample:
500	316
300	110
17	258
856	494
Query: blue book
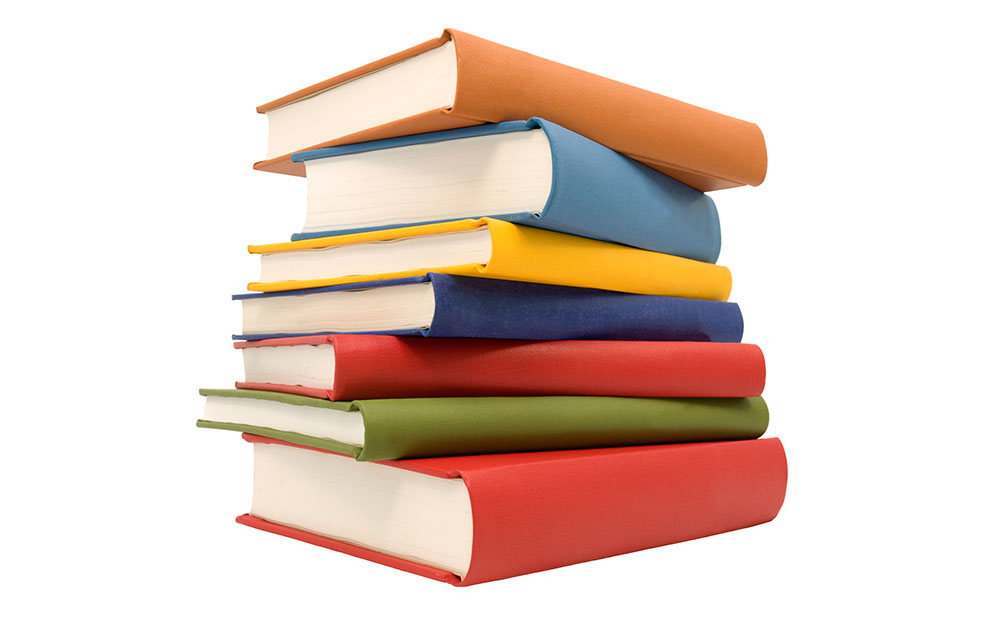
441	305
532	172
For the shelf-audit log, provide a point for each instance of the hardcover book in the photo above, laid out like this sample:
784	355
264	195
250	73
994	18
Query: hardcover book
485	248
533	172
403	428
459	80
477	518
349	367
439	305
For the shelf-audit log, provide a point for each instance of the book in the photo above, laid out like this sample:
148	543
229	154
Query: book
485	248
404	428
532	172
477	518
459	80
348	367
440	305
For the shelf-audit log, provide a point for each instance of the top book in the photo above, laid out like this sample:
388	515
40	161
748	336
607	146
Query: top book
459	80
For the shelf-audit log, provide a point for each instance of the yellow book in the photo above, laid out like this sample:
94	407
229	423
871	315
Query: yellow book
485	248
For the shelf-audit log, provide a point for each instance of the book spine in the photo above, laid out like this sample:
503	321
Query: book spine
548	514
548	257
699	147
501	309
601	194
377	366
435	427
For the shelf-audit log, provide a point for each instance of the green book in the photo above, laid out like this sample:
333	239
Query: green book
402	428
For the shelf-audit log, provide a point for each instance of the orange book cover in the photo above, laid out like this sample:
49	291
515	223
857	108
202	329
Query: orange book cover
704	149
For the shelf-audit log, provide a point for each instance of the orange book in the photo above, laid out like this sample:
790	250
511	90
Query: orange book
465	80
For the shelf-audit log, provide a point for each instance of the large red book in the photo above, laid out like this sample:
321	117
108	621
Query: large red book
471	519
352	367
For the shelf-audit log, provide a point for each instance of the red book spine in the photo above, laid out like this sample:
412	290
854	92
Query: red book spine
377	366
612	501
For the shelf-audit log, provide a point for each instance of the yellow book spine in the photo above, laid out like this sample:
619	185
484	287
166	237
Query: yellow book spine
535	255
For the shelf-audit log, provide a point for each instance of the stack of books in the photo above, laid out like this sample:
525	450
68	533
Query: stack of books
500	344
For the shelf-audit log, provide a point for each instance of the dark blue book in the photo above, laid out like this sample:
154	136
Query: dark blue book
532	172
440	305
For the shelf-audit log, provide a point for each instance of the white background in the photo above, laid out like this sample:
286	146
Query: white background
864	266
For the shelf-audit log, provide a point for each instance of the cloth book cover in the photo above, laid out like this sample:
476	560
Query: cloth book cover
704	149
537	511
500	309
596	193
383	366
403	428
527	254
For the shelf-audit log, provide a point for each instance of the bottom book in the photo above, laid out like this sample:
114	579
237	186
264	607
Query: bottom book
477	518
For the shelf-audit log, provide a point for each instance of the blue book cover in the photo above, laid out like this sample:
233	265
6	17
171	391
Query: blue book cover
596	193
503	309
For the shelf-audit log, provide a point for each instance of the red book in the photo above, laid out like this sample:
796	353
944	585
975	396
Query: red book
514	513
358	367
